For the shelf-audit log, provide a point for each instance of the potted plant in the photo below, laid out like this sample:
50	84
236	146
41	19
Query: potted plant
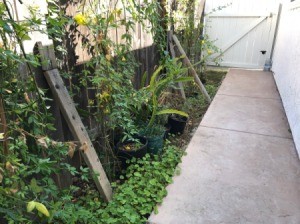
155	136
177	123
154	131
131	148
130	142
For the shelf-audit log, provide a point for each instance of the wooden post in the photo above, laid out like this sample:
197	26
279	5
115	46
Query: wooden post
44	52
70	114
191	68
62	133
79	132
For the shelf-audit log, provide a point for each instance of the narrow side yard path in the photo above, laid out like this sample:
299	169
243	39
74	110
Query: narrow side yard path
241	165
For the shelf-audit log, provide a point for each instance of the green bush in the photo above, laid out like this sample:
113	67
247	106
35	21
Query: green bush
142	189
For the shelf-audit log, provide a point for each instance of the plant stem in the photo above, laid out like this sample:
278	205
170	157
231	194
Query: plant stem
25	56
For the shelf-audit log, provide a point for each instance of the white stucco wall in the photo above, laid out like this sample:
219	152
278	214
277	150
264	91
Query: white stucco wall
286	65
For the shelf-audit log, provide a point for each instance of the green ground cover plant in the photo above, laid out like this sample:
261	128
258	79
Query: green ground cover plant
142	188
31	161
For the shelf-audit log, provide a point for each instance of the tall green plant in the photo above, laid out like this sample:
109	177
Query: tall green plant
32	159
159	82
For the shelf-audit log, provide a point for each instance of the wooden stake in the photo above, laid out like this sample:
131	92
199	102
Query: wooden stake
173	54
62	98
191	68
61	95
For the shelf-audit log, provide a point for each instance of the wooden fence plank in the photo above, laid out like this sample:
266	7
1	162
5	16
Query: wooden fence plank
79	132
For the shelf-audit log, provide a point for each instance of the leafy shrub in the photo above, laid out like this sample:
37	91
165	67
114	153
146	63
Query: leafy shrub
142	189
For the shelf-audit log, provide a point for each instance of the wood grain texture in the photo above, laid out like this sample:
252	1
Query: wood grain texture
79	132
47	56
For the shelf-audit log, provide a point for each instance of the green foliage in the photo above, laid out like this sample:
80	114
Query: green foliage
154	131
112	66
190	28
28	192
31	159
143	188
159	83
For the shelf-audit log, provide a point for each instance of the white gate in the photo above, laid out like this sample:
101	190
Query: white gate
244	30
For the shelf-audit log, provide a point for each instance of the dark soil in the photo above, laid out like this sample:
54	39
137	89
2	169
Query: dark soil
195	105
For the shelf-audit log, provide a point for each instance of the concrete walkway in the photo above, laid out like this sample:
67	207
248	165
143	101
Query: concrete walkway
241	165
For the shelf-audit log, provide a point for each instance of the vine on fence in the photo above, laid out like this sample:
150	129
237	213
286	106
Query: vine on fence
27	188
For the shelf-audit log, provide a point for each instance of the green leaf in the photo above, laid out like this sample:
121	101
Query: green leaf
51	127
137	174
42	209
30	206
172	111
34	186
152	182
25	37
184	79
154	76
7	28
144	78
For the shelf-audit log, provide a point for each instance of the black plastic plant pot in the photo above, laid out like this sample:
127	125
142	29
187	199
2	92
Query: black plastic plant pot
156	143
167	131
177	123
124	155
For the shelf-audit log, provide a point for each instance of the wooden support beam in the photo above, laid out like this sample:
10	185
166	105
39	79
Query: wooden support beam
62	98
47	56
61	95
61	133
191	68
173	54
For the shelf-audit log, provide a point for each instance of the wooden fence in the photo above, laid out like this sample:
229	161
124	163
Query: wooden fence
142	45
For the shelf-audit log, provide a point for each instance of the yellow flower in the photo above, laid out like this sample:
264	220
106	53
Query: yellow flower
202	42
117	12
209	51
105	94
108	57
80	19
104	97
123	59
